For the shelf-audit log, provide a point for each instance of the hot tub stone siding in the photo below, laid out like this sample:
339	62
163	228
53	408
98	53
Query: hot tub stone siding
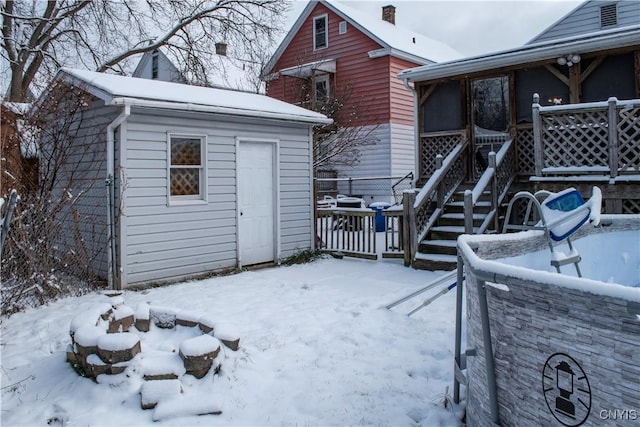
529	323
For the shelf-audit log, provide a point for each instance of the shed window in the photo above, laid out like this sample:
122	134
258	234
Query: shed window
186	167
320	33
608	15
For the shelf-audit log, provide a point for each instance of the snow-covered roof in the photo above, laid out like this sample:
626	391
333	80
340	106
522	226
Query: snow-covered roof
395	41
122	90
581	44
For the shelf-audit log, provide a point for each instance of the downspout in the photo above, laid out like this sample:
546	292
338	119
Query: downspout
416	131
110	183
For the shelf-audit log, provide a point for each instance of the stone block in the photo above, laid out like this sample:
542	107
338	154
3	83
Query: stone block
188	318
120	347
207	324
143	325
163	317
227	336
198	354
162	366
153	392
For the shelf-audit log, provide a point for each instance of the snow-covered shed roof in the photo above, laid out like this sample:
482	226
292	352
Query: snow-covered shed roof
581	44
395	41
122	90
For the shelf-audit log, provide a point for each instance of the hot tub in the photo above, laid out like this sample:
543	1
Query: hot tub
562	350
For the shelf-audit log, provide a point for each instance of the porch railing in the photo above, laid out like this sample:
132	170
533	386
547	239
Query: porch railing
349	231
421	211
496	179
590	138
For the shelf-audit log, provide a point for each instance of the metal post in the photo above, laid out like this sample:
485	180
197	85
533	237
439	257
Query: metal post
488	350
458	337
350	186
494	189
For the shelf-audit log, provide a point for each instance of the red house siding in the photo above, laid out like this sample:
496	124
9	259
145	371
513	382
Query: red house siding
401	98
369	79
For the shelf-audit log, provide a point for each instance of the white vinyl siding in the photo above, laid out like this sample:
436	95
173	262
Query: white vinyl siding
173	242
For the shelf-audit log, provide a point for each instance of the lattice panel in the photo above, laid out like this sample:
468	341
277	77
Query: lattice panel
577	139
185	182
631	206
424	212
629	139
430	147
526	152
507	169
185	151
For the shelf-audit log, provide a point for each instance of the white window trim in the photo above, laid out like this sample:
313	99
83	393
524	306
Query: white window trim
342	27
201	198
326	31
321	78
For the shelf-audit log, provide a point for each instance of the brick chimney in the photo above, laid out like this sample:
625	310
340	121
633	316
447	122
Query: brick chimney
389	14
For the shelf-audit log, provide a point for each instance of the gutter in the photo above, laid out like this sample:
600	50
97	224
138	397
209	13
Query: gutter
540	52
187	106
110	183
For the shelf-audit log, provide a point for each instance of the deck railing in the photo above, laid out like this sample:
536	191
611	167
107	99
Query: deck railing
349	231
421	211
590	138
496	179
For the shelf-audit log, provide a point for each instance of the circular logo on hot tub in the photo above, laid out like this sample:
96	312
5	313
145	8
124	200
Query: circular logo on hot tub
566	389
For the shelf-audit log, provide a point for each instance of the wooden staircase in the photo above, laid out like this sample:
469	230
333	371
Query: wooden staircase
438	250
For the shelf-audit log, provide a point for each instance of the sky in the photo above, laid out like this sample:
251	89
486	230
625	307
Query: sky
470	27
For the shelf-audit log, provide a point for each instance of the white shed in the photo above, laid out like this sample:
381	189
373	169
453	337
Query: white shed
201	179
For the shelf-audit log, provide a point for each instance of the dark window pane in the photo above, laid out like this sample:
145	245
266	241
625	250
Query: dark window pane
442	111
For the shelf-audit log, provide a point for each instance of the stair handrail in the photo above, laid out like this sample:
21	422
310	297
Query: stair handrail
418	221
498	168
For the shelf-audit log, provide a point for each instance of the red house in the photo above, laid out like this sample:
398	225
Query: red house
337	55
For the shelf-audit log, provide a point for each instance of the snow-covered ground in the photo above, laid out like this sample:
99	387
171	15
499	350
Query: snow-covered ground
317	348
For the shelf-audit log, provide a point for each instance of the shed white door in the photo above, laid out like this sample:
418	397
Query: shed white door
256	195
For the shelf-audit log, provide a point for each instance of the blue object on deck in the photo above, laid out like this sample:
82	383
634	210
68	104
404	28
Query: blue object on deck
379	207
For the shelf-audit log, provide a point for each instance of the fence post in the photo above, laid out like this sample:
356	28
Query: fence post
6	220
613	137
408	226
468	212
494	188
537	134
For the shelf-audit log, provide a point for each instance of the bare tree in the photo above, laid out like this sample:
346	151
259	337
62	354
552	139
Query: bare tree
40	37
57	242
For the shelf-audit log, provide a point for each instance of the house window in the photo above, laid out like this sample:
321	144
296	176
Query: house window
154	64
186	167
608	15
320	33
321	92
342	27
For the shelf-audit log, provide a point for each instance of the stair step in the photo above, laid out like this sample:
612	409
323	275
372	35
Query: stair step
437	257
460	215
435	262
446	243
479	203
459	229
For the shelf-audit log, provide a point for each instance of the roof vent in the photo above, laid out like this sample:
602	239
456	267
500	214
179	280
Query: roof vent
389	14
608	15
